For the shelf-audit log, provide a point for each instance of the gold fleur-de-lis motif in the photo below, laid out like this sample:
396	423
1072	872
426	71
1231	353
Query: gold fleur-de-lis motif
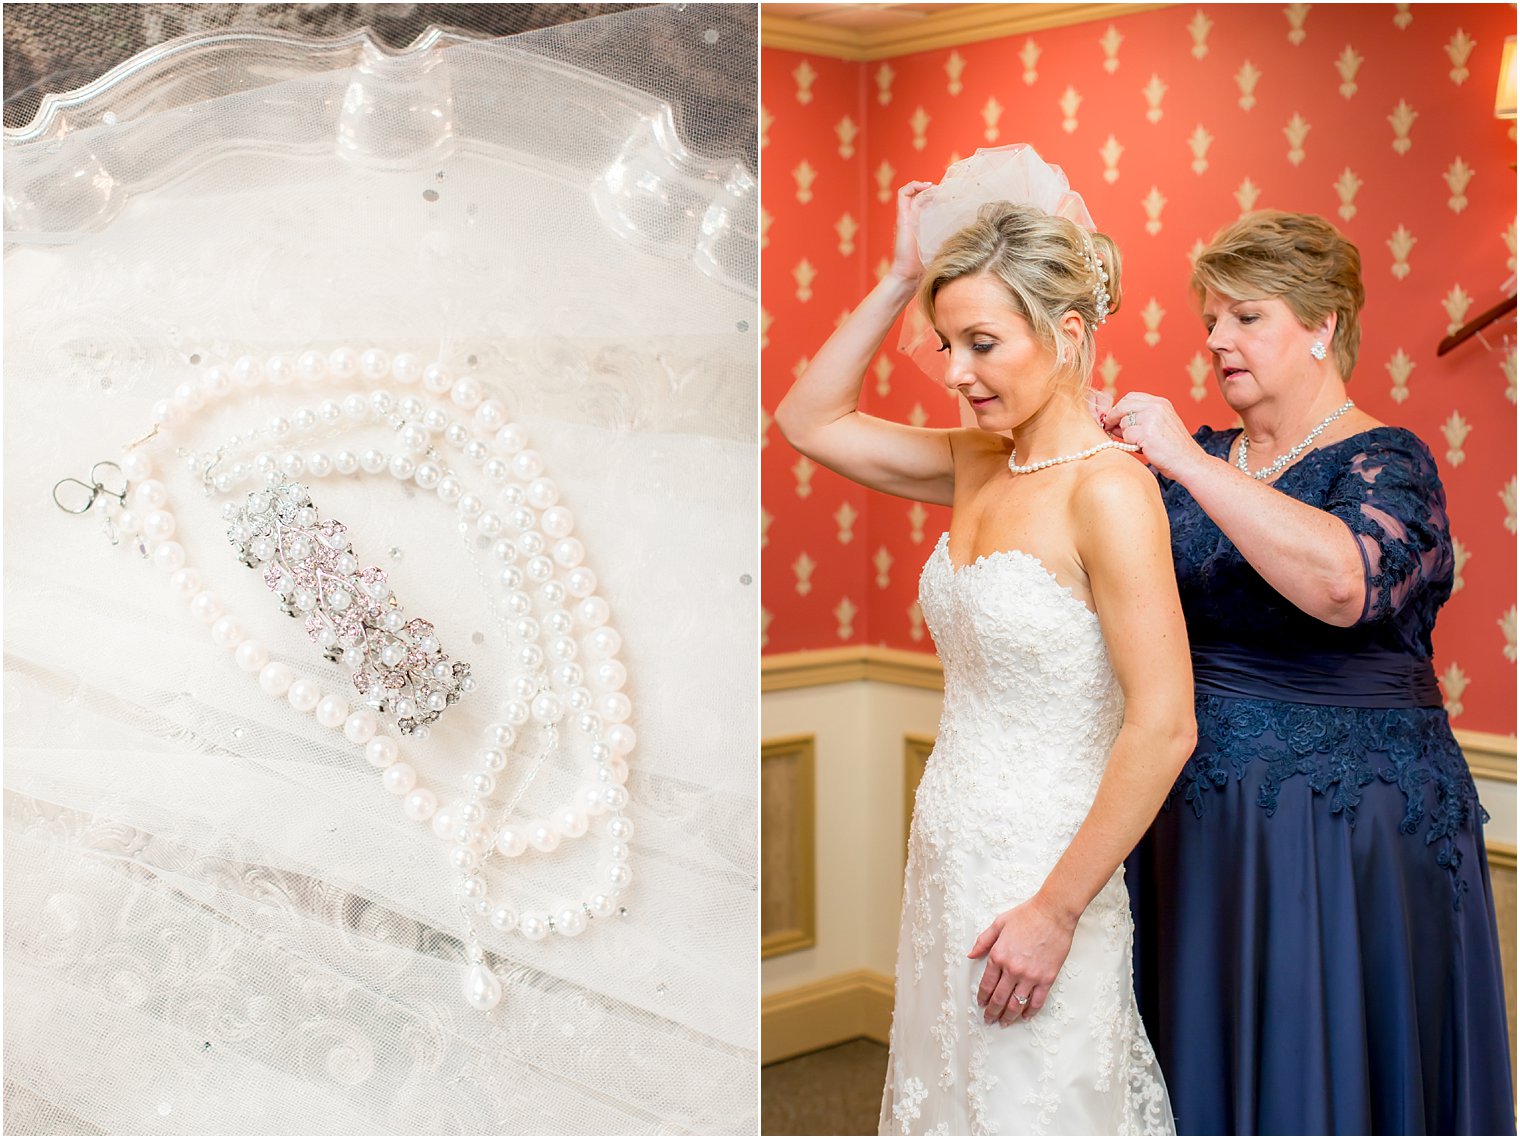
1457	176
766	120
1458	48
1401	244
1110	154
918	416
766	518
1456	303
1154	92
799	367
1399	366
915	622
1507	496
955	66
1456	429
882	268
1454	683
1401	121
1246	79
1153	203
1070	101
1245	197
765	227
917	516
1110	44
1029	56
804	175
802	570
1195	250
1151	315
1459	555
1402	17
1199	370
765	428
1297	14
884	77
1507	628
1199	142
884	176
1198	28
920	124
766	617
1296	131
804	274
1348	63
805	77
1509	243
1109	372
846	228
1507	367
883	563
883	372
802	472
955	156
1346	187
765	329
844	518
847	132
991	113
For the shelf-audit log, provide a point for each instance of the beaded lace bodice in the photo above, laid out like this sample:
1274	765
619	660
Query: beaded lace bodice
1032	708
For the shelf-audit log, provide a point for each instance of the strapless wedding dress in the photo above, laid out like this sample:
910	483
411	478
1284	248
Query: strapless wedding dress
1031	711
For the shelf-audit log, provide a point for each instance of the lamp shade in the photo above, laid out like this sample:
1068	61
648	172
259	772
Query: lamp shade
1504	98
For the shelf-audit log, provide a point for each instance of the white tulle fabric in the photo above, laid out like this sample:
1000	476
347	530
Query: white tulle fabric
1031	711
1013	173
216	919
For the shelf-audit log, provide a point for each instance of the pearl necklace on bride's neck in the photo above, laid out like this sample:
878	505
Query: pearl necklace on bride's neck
1111	445
550	609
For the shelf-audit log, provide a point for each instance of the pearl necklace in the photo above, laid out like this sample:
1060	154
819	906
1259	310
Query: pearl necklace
553	687
1283	460
1111	445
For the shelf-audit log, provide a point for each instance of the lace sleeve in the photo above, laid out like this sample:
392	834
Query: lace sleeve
1390	495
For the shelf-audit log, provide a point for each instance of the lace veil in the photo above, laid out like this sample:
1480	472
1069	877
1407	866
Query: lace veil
216	920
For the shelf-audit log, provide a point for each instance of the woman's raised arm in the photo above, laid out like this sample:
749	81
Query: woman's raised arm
821	415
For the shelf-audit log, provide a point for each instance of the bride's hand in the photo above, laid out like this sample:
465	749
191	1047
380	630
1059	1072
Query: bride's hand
1025	950
906	263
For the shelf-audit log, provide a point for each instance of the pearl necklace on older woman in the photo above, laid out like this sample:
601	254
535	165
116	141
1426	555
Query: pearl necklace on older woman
1283	460
551	579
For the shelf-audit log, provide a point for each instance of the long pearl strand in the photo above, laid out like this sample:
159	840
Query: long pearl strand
463	823
1111	445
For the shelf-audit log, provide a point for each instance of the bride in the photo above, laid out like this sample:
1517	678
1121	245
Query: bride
1068	688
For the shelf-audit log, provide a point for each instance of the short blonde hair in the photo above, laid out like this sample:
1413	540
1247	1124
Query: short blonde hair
1043	261
1301	259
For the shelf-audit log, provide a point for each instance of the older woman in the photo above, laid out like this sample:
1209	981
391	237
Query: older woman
1316	942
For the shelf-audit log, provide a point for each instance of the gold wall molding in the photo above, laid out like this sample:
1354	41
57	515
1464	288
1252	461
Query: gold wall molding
823	1013
1501	856
788	912
1489	755
955	25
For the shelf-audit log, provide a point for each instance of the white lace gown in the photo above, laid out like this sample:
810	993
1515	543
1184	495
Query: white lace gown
1031	711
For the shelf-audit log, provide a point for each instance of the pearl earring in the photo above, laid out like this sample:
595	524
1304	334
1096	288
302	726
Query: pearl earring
1317	350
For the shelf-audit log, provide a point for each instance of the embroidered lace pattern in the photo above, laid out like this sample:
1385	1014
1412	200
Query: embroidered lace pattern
1384	485
1031	711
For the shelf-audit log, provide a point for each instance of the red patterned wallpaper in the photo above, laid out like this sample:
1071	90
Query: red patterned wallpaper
1170	123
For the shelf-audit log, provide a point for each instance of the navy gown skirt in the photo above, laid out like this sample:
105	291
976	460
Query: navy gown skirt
1315	944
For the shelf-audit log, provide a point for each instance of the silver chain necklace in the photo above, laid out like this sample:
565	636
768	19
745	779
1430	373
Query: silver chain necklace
1283	460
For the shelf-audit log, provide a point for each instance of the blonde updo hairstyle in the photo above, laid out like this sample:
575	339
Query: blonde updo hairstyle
1299	258
1044	263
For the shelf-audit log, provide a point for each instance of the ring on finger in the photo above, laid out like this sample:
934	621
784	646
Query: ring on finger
1022	1000
1129	419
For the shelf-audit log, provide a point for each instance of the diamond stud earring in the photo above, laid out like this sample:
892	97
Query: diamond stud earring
1317	349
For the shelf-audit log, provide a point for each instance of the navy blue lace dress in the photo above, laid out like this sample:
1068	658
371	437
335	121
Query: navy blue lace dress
1315	942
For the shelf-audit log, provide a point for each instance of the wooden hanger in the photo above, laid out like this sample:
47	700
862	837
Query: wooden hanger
1476	325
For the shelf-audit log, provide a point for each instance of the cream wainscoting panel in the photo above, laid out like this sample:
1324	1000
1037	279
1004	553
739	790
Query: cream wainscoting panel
788	873
813	1016
916	751
1501	871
